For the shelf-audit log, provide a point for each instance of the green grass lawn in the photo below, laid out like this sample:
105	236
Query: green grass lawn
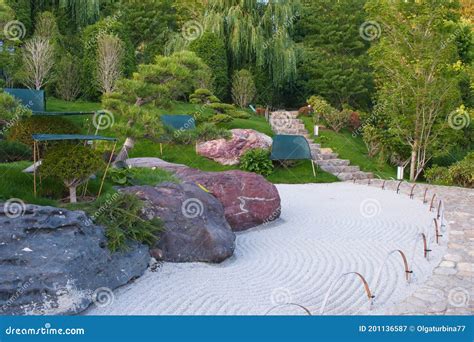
351	148
184	154
16	184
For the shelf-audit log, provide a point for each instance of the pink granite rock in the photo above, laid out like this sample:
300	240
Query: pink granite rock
248	199
228	152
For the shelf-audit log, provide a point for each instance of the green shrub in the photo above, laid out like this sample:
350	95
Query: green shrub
258	161
243	88
22	130
209	131
203	96
459	174
11	151
72	164
462	173
221	118
239	114
320	107
221	108
120	176
11	111
121	214
438	175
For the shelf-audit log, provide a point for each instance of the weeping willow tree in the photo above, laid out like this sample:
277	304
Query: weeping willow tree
81	12
257	32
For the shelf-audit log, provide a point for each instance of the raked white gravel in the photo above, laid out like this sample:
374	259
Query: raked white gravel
324	231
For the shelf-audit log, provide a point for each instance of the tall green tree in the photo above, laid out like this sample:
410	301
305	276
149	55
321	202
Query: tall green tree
111	26
335	62
257	33
211	49
416	81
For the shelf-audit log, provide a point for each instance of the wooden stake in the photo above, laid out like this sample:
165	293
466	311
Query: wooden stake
314	171
34	167
106	170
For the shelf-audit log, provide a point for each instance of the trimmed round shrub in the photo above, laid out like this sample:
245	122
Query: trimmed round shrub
258	161
72	164
11	151
203	96
221	118
22	130
221	108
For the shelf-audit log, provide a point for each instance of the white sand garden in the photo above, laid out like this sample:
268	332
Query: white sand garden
325	230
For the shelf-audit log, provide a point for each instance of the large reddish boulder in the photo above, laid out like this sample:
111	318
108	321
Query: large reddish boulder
228	152
249	199
194	222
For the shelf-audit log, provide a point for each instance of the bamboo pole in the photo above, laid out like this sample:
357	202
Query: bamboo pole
106	170
34	167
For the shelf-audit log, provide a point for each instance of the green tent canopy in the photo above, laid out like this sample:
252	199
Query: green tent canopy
290	147
32	99
36	101
179	122
64	137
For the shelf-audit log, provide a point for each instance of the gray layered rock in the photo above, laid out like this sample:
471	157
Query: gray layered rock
54	262
194	220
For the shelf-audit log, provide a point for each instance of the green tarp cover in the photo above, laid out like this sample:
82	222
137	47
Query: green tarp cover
33	99
57	137
179	122
61	113
36	101
290	147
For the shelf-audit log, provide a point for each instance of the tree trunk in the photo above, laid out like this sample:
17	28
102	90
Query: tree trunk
413	162
72	194
126	148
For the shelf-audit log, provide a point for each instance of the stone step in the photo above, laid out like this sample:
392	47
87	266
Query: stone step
340	169
345	176
314	145
327	156
333	162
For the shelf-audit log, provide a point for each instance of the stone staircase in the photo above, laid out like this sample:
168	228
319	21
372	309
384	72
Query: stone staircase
285	122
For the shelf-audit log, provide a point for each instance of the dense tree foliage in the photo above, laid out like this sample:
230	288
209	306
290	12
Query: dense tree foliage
257	32
335	61
211	49
402	70
415	79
